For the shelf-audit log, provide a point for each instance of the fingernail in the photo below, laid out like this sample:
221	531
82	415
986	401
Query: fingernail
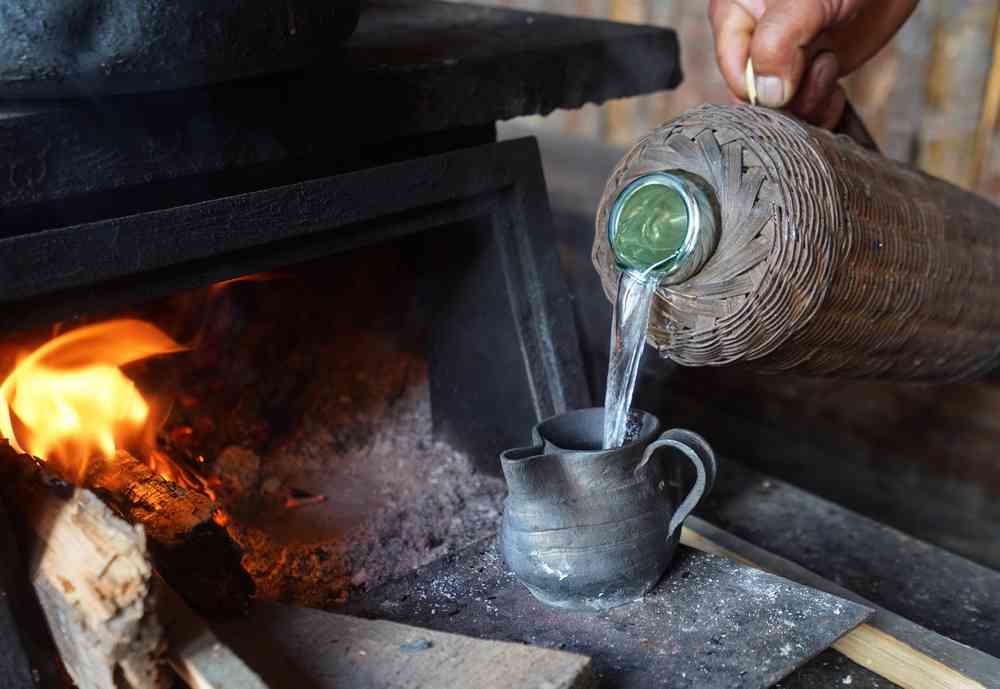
770	91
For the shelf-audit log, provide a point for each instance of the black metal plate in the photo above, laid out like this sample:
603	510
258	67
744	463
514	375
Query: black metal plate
710	622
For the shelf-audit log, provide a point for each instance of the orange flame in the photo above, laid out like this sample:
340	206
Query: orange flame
69	400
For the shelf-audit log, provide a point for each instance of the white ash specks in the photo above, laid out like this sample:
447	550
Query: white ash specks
396	500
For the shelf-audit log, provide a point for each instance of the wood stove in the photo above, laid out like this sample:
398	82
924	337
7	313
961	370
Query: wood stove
361	276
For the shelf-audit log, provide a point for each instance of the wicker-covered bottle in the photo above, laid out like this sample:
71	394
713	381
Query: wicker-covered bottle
830	260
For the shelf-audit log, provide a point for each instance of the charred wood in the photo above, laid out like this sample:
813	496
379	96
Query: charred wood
192	552
190	549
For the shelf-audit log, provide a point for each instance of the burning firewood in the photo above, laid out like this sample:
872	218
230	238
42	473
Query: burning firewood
66	410
191	550
70	404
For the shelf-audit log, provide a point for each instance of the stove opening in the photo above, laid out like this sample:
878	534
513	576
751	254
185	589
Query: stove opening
293	408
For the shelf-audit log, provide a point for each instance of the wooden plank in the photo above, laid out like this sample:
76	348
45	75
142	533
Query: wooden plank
703	82
196	654
299	647
895	648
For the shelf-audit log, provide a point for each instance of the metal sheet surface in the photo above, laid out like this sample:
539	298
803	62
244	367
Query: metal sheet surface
709	623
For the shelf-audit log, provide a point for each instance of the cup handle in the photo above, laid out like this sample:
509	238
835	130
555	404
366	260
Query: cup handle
700	454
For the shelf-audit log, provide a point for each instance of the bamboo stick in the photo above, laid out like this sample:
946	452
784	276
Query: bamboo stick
990	109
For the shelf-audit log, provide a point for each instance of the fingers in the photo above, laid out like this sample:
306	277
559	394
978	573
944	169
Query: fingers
780	43
732	26
801	47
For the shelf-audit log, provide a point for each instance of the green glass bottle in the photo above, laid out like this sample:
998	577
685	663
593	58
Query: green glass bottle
664	225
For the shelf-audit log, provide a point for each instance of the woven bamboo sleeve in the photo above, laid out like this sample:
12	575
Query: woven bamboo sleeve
831	261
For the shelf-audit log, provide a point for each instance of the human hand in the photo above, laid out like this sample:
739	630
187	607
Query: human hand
801	48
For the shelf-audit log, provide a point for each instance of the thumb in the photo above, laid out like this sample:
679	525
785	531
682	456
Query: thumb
782	42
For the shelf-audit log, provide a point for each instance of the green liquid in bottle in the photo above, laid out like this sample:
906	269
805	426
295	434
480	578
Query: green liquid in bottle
652	227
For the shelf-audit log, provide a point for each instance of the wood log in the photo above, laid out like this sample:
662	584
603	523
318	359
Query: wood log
93	576
889	645
191	551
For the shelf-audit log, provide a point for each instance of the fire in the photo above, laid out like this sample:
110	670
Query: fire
68	402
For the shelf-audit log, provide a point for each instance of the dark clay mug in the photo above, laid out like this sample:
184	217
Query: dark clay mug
592	529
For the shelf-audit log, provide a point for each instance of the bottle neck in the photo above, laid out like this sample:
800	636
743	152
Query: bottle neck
664	226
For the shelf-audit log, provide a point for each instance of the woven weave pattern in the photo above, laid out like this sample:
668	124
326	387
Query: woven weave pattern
831	261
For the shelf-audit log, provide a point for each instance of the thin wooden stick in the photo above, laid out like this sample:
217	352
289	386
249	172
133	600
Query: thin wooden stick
990	110
898	662
876	646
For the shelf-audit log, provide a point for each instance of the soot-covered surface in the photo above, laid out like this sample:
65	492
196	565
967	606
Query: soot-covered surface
710	622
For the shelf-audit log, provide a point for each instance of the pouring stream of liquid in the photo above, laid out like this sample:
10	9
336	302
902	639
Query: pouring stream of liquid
628	335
